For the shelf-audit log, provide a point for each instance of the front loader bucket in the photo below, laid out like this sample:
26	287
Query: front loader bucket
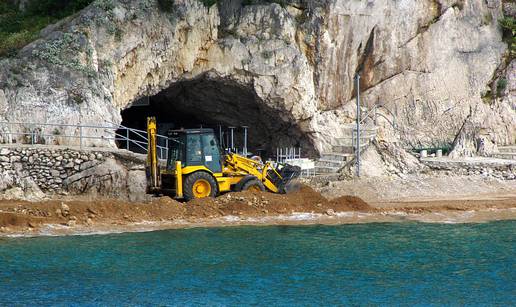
288	173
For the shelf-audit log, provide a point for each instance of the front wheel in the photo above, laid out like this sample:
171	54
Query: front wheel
199	185
253	185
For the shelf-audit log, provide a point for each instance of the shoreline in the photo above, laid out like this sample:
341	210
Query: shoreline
305	206
296	219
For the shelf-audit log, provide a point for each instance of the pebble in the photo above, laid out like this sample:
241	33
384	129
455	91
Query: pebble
65	210
330	212
69	165
15	159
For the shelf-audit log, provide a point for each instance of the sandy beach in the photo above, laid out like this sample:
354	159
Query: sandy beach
304	207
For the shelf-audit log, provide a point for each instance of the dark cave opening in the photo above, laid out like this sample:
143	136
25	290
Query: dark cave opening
218	104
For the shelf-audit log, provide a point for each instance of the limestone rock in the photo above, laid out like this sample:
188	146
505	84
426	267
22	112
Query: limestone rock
137	185
291	67
486	146
464	144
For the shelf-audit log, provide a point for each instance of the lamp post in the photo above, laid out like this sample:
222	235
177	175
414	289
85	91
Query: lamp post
357	78
244	150
232	148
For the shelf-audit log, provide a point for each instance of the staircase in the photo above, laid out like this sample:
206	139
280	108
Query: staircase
343	150
506	152
332	162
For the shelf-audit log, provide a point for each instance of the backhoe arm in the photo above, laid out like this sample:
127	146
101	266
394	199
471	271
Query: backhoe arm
152	156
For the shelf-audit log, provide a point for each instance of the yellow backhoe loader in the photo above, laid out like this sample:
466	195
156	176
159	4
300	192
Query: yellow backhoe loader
196	167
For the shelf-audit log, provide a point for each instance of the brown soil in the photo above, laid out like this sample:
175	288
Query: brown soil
425	206
24	217
19	214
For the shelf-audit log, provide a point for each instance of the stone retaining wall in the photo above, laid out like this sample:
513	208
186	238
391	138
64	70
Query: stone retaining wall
495	168
34	173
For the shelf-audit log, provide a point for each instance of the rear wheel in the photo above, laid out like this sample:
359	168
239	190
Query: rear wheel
253	185
199	185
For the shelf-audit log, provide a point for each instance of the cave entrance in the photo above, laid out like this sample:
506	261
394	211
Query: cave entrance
223	105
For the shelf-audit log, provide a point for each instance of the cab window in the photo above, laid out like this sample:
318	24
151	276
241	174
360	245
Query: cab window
175	151
211	153
193	149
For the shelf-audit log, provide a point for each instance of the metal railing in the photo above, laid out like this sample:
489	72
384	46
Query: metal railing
292	156
373	114
80	135
367	135
288	153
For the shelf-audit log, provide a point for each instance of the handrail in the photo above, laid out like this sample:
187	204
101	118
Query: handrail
109	133
60	125
368	115
374	111
119	127
392	123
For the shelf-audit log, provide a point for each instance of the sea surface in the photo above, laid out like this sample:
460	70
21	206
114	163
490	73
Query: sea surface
388	264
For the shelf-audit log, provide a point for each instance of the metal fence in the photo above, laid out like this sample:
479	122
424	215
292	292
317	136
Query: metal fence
80	135
374	113
292	156
288	153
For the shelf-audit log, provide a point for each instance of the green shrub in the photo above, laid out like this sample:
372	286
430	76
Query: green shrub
208	3
18	28
508	25
106	5
283	3
63	51
166	5
12	43
501	85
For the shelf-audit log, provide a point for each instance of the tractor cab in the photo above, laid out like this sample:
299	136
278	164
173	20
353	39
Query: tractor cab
194	147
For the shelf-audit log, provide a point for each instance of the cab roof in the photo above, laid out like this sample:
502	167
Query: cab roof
190	131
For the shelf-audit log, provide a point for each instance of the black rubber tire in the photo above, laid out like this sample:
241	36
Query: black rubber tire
190	180
253	183
240	184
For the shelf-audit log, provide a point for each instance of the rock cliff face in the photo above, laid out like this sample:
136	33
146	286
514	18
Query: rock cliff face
287	71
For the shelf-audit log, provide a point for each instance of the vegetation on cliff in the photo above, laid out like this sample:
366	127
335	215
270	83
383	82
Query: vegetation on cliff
20	27
508	25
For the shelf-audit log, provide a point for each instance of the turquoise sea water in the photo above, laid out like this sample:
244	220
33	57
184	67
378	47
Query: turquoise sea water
368	264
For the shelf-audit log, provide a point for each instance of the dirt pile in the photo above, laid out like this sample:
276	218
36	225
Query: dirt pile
242	204
303	200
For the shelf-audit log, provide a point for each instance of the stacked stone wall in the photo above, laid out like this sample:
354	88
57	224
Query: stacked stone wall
495	169
40	172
